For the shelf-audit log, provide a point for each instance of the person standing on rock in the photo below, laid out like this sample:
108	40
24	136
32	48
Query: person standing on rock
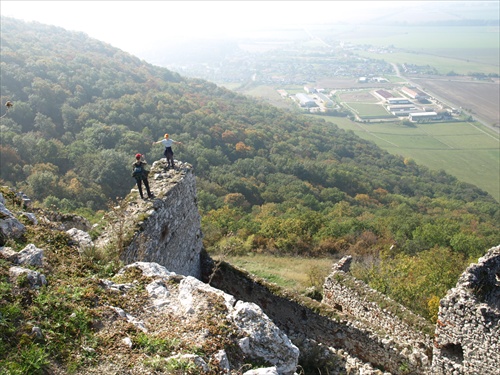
140	173
169	154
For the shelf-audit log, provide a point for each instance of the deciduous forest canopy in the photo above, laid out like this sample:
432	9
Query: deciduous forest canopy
267	180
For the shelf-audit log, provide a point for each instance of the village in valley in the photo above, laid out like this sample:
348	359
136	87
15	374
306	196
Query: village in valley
399	103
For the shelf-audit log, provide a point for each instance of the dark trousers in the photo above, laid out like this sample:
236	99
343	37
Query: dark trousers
169	154
146	184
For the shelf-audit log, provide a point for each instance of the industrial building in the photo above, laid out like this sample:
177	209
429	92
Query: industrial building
383	94
398	101
414	93
402	109
305	100
423	116
325	100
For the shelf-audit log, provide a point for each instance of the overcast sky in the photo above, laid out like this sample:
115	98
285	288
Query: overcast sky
135	25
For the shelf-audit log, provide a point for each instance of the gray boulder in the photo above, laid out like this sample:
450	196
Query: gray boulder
35	279
8	253
82	238
10	227
31	256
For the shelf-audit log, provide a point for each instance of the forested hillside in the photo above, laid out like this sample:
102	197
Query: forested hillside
268	181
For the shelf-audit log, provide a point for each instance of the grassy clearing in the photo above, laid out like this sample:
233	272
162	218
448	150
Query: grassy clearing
294	273
480	167
470	142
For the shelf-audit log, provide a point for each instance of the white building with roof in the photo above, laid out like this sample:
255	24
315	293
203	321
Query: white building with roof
305	100
422	116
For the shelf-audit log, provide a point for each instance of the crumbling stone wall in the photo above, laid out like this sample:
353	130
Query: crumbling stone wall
467	338
311	321
171	233
371	308
166	229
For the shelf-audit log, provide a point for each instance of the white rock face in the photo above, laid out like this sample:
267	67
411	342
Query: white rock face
8	253
82	238
265	339
148	269
187	291
263	371
224	364
159	293
191	299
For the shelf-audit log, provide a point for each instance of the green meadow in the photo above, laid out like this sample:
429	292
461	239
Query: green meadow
466	150
295	273
369	110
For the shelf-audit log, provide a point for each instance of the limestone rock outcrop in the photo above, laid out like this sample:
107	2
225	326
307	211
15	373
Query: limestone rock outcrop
35	279
10	226
82	239
171	297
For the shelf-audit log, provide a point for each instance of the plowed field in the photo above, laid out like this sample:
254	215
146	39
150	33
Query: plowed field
481	98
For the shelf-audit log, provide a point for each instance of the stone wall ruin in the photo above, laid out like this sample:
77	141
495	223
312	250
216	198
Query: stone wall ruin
467	339
166	229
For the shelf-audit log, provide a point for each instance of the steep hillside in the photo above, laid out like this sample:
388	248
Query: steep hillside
70	307
267	180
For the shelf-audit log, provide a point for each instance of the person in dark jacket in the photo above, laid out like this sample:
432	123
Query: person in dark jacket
140	173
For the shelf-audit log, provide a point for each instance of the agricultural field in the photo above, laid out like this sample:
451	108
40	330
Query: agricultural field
481	99
459	49
368	111
469	151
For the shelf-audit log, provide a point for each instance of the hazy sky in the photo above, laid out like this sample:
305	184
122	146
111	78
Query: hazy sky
135	25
